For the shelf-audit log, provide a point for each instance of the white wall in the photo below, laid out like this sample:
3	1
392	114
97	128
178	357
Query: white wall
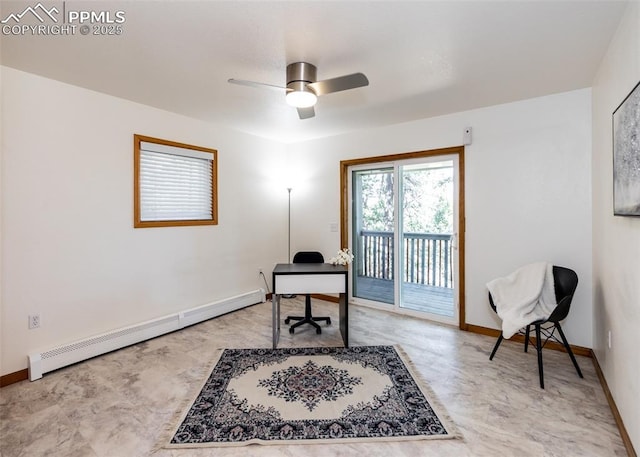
616	240
528	191
1	214
69	249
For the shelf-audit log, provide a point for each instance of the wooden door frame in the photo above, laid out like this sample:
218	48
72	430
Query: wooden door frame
344	206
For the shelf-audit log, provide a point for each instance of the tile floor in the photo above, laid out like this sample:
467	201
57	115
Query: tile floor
119	404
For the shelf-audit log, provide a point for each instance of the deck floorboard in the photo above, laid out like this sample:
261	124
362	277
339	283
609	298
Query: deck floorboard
416	297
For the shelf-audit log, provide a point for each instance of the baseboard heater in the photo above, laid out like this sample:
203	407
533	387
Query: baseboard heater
61	356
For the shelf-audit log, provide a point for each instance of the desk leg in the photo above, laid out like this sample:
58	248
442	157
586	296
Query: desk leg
275	318
344	318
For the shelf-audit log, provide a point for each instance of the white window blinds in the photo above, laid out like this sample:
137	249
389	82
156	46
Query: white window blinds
175	184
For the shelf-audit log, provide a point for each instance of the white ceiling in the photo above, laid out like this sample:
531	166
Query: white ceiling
422	58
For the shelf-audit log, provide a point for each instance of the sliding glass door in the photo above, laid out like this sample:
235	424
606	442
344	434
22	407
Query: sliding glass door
403	222
426	267
373	237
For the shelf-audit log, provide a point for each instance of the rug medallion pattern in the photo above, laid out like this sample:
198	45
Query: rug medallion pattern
309	384
302	395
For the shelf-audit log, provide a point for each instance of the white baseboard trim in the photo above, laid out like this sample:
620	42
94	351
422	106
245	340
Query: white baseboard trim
45	361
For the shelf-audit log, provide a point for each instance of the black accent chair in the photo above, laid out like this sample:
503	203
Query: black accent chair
307	257
565	283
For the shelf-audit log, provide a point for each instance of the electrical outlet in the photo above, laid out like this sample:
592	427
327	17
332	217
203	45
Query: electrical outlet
34	321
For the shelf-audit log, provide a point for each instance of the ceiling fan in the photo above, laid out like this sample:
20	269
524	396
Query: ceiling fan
302	89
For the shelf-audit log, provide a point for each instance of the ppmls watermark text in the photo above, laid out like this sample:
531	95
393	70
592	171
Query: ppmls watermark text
61	18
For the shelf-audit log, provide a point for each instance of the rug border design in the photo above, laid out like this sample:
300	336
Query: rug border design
182	411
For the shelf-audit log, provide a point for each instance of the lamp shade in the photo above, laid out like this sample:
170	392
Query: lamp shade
304	98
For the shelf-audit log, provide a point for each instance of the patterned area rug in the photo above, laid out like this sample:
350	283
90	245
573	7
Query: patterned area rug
309	395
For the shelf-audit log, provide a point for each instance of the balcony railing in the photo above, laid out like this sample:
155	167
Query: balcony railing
427	257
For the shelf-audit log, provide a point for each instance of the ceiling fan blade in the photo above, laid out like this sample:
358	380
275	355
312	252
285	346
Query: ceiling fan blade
338	84
243	82
306	113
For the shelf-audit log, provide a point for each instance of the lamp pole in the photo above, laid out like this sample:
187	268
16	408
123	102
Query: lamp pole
289	227
289	238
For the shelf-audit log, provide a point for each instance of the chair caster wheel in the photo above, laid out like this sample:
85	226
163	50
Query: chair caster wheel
318	331
286	321
291	330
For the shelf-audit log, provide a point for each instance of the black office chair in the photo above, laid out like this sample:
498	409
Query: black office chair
307	257
565	283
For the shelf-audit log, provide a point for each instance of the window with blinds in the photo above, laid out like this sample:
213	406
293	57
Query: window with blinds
175	184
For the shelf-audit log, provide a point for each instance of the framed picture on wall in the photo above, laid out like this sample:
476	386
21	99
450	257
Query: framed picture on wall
626	155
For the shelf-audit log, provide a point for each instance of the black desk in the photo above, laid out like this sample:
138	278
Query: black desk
310	278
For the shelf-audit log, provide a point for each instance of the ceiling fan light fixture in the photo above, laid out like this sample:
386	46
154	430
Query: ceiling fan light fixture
304	98
303	88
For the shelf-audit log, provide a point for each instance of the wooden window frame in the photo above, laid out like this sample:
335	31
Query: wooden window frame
137	222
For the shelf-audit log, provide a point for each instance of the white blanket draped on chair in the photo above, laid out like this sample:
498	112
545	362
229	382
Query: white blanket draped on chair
525	296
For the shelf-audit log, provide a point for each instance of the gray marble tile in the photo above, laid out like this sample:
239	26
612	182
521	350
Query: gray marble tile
120	404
